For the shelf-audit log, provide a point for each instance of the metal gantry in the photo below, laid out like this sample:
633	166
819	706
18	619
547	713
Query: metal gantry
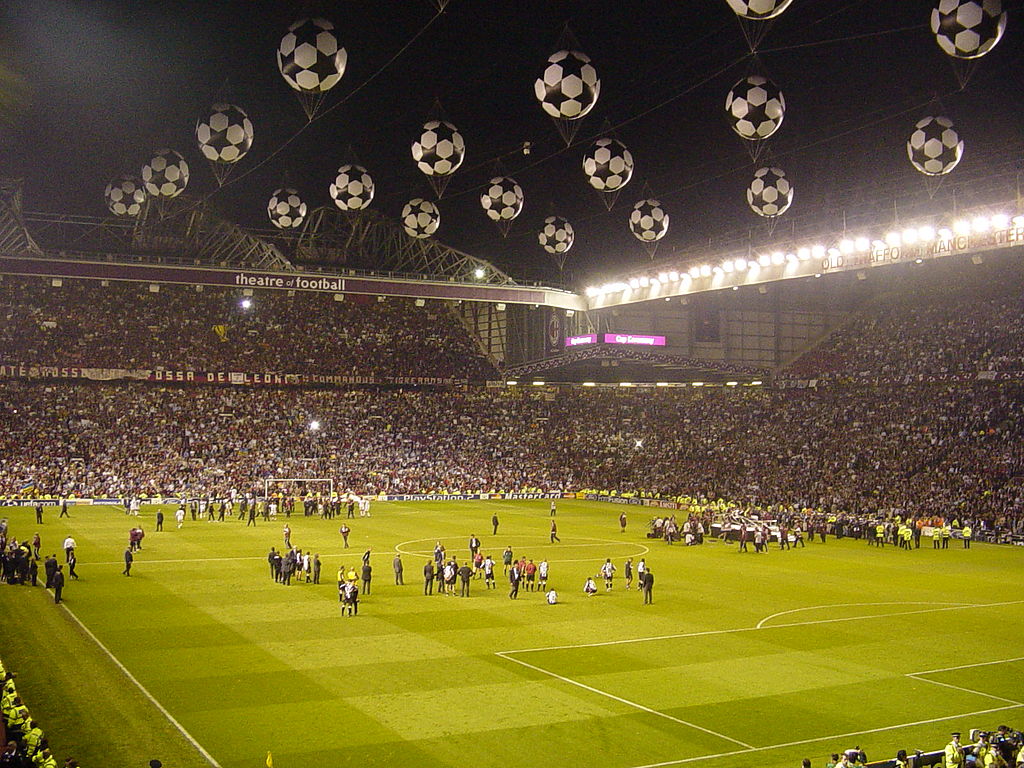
370	242
14	237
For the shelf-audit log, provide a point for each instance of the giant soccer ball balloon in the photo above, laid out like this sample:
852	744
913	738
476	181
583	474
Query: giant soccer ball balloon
309	57
225	135
125	196
569	87
166	174
935	147
420	218
608	165
556	235
352	188
439	150
755	107
770	194
502	200
286	209
648	221
758	10
967	29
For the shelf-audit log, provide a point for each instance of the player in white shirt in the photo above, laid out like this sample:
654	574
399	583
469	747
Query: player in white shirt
542	575
179	516
608	571
552	597
364	507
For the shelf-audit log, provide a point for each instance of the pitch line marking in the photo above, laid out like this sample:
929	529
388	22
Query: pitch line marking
163	710
766	619
966	666
627	702
833	737
757	629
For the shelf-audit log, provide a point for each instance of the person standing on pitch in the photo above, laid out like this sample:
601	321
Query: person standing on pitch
39	513
64	509
628	572
553	509
345	531
622	522
129	558
474	546
71	566
465	573
316	568
494	523
367	573
514	576
69	547
159	520
554	529
648	586
428	578
397	565
58	583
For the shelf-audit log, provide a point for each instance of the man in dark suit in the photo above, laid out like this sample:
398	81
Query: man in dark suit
367	574
50	566
129	558
58	583
648	587
428	578
514	575
494	524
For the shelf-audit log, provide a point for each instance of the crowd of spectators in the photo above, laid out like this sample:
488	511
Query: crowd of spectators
937	331
939	449
123	325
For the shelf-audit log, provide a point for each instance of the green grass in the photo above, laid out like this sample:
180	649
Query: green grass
246	665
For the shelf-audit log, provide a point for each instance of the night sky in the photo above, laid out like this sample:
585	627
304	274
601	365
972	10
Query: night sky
101	84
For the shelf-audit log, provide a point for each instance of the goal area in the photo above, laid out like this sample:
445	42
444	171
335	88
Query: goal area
298	486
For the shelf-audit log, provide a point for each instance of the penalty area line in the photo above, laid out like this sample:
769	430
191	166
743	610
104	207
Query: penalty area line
163	710
627	702
832	737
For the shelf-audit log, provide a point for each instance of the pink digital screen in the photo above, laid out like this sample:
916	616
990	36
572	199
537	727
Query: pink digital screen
575	341
634	338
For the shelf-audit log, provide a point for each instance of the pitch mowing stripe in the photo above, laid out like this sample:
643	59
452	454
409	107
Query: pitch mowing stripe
163	710
832	737
759	628
627	702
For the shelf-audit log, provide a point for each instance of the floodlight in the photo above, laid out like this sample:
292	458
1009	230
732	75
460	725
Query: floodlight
980	224
314	426
926	234
479	273
893	239
246	303
846	246
862	244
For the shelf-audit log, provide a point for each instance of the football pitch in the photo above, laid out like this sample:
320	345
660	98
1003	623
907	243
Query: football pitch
200	659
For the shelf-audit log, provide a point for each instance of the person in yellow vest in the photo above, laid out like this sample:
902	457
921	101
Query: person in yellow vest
992	758
947	533
880	534
936	536
32	738
901	759
17	717
906	534
953	754
44	759
967	533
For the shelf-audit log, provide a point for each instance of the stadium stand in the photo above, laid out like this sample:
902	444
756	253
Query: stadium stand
83	323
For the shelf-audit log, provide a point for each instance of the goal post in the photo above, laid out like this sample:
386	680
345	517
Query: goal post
298	486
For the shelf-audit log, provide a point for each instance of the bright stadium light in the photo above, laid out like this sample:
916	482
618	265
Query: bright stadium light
314	426
980	224
732	383
479	273
697	384
589	384
962	227
673	276
538	383
625	384
741	265
847	246
893	239
1018	221
1000	221
663	277
909	236
818	251
926	234
791	257
638	443
634	283
945	233
661	384
862	244
803	254
728	265
246	304
764	260
756	383
591	292
705	270
694	272
645	281
778	258
511	382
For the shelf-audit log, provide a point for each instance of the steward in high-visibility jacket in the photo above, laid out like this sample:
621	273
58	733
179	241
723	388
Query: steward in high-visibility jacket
18	716
967	533
32	738
953	754
44	759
